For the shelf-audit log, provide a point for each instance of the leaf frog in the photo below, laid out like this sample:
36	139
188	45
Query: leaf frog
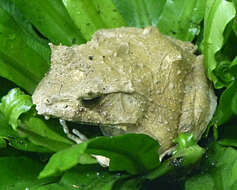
129	80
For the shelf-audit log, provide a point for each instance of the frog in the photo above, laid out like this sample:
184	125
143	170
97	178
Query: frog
129	80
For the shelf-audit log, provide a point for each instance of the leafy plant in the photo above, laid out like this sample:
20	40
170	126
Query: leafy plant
218	170
41	147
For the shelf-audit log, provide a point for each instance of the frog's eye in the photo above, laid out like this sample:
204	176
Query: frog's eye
88	102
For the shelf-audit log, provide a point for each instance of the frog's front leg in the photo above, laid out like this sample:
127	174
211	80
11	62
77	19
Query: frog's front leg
78	138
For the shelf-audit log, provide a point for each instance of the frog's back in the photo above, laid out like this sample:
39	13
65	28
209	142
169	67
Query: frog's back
172	79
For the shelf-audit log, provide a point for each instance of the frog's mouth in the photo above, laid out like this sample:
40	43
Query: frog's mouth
118	110
111	129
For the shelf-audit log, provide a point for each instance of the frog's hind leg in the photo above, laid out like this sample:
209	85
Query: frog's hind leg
77	137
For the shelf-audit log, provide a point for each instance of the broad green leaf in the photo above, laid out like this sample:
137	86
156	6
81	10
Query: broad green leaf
3	143
134	153
218	14
89	16
135	183
52	20
235	3
16	141
121	150
24	57
227	51
235	24
6	86
180	19
19	112
228	141
227	133
20	173
184	141
218	170
24	144
9	152
53	186
233	70
222	72
66	159
14	104
233	67
94	177
186	154
90	178
224	110
43	133
225	56
5	128
227	106
140	13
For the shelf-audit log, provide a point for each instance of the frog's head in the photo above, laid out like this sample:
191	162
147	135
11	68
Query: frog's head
84	84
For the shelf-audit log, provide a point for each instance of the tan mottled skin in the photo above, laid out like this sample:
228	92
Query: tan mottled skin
129	80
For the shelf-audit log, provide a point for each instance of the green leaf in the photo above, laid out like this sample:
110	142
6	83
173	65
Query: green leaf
186	154
52	20
235	25
227	106
94	177
16	141
134	153
180	19
43	133
6	86
184	141
53	186
19	113
140	13
233	67
129	184
20	173
121	150
5	128
218	170
233	70
27	57
218	14
89	16
235	20
66	159
227	52
3	143
90	178
227	133
14	104
222	72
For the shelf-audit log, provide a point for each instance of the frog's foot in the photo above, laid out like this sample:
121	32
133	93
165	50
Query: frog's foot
102	160
78	138
166	153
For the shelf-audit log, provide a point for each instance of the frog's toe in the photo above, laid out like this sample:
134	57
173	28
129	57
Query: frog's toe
77	137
